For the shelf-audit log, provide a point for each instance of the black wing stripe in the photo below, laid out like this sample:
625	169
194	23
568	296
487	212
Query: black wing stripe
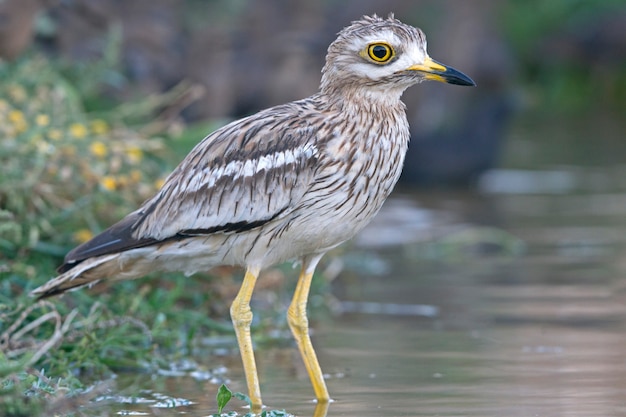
237	227
118	238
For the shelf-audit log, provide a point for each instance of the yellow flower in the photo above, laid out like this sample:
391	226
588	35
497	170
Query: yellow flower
83	235
99	127
99	149
18	121
55	134
16	116
42	120
159	183
108	182
78	130
134	154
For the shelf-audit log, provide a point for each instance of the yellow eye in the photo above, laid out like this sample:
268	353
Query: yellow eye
379	52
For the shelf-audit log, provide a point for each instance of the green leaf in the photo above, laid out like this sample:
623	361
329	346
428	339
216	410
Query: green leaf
223	397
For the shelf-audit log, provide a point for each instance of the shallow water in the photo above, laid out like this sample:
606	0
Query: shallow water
509	301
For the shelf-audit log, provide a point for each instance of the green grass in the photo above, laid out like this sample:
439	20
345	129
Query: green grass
67	173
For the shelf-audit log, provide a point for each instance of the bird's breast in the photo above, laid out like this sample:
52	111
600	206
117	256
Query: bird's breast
357	171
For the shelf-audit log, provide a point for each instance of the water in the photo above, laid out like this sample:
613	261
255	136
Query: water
509	301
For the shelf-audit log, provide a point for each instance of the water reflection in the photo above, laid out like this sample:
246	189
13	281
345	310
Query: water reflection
538	334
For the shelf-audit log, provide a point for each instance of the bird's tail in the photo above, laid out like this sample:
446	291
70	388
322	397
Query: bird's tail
87	272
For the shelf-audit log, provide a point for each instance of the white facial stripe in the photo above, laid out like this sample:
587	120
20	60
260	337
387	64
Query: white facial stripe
382	36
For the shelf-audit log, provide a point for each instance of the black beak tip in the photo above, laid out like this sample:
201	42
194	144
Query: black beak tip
456	77
467	81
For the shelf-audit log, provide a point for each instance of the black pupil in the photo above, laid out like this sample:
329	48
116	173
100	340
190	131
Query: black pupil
379	51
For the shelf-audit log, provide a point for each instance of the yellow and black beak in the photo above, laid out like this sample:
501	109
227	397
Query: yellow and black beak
435	71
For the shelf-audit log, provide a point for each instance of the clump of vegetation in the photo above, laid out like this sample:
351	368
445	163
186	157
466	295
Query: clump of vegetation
62	166
65	174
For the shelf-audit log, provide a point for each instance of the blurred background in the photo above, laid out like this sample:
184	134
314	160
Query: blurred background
492	282
563	60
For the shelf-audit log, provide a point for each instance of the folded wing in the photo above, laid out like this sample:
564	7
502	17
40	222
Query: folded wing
240	177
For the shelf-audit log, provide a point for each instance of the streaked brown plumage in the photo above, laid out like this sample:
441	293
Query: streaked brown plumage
290	182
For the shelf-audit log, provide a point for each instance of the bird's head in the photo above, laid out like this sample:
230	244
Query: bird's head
382	55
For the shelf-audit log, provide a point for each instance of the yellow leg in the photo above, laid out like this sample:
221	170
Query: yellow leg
299	324
241	315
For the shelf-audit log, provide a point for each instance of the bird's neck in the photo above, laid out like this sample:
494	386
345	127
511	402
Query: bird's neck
364	99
